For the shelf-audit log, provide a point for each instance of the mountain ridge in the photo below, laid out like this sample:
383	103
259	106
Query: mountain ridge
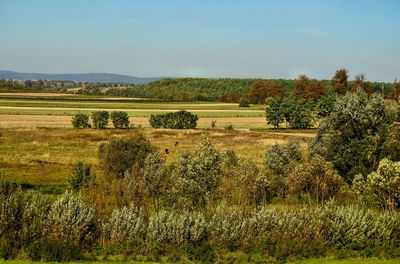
78	77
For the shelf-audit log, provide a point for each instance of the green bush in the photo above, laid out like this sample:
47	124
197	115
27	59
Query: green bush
100	119
80	121
50	250
244	102
229	127
120	119
80	177
176	120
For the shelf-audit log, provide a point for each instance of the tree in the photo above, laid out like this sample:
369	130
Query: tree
120	119
177	120
351	136
120	154
274	113
261	90
361	84
339	81
301	115
80	121
100	119
325	105
300	85
244	102
395	93
314	91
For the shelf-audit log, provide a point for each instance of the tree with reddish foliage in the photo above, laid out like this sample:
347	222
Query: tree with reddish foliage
361	84
395	93
314	91
339	81
300	86
261	90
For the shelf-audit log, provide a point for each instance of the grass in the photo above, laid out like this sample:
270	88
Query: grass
43	157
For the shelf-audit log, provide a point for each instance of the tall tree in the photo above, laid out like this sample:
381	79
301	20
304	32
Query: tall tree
300	86
339	81
361	84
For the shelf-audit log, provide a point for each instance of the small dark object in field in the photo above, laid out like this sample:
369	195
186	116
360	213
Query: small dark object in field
166	151
176	143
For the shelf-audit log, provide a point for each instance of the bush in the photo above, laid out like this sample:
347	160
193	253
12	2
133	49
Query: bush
120	119
80	177
80	121
59	251
100	119
120	154
381	187
229	127
177	228
316	178
244	102
196	175
177	120
277	157
72	220
213	123
126	223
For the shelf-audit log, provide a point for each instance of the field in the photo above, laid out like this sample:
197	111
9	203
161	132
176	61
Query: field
55	110
38	146
44	156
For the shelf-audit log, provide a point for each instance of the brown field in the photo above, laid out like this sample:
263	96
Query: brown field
44	156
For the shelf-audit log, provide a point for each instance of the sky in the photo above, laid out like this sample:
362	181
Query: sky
202	38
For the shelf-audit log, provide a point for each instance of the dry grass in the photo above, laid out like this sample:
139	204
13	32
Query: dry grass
44	156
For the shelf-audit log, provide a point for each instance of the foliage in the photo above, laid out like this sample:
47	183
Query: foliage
301	115
261	90
229	127
213	123
339	81
120	119
81	176
196	175
350	137
70	219
177	228
274	112
244	102
177	120
100	119
392	142
325	105
383	186
155	176
126	223
316	178
120	154
278	157
80	121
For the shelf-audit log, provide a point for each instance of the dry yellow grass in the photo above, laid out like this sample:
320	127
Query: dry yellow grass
43	156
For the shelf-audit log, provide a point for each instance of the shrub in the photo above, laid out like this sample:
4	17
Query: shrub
381	187
12	202
177	120
58	251
277	157
177	228
155	176
80	177
213	123
126	223
316	178
229	127
244	102
196	175
120	154
72	220
120	119
100	119
80	121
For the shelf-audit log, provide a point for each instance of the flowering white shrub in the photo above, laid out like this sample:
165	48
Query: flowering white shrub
125	223
177	228
70	219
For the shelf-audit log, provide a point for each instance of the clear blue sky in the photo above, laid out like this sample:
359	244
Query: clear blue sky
216	38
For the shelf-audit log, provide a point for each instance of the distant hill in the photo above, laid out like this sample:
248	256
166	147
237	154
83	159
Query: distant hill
78	77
